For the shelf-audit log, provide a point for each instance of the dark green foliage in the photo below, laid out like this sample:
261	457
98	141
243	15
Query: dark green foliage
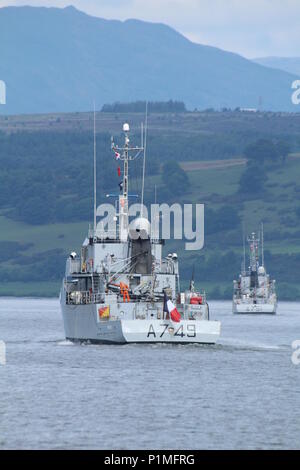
214	267
46	266
266	151
284	267
262	150
140	107
283	148
252	180
180	146
47	177
175	179
224	219
286	291
261	155
11	250
298	213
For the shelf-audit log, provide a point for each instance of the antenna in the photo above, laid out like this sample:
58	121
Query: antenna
244	249
95	169
262	245
142	134
192	281
254	256
144	160
155	224
124	154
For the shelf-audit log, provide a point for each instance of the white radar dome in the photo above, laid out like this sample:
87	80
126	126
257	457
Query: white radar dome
261	270
126	127
139	228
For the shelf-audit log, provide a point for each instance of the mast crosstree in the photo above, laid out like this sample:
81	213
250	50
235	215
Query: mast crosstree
125	154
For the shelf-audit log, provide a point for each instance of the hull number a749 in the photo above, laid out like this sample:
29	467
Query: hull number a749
189	331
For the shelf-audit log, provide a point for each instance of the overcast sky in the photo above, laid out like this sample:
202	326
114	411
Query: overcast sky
253	28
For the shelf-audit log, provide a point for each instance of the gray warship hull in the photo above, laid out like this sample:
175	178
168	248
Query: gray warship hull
254	292
256	309
81	325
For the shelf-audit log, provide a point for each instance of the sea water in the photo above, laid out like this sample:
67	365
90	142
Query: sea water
243	393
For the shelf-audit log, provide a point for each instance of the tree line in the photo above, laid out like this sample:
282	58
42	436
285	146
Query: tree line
261	155
140	107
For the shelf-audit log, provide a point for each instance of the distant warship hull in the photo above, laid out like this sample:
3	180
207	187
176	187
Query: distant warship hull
80	323
254	292
251	308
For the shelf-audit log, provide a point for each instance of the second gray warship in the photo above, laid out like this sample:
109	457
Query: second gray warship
254	292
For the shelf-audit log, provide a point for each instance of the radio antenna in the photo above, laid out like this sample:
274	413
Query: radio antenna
144	159
262	245
95	172
244	249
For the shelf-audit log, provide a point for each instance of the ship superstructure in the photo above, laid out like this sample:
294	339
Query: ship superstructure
120	288
254	291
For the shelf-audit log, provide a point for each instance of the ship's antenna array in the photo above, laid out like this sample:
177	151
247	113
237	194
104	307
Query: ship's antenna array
142	134
262	245
95	172
144	159
124	154
244	250
192	281
254	244
155	221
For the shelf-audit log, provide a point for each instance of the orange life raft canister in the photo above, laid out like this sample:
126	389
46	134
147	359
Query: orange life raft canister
196	300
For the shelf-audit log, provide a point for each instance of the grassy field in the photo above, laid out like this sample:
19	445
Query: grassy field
43	237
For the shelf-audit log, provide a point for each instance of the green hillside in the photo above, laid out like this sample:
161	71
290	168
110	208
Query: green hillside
46	194
215	188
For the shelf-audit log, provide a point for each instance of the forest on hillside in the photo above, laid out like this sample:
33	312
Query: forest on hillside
46	178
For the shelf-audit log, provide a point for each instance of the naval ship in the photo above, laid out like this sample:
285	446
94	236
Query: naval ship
254	292
120	288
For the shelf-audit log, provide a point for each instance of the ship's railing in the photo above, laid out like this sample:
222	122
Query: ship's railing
109	235
75	266
101	233
166	267
83	298
157	241
249	300
202	314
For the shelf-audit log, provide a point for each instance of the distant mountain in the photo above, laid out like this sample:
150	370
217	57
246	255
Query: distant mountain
56	60
288	64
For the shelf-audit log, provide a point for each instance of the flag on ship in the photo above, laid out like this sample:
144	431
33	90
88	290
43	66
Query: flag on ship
103	312
171	309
